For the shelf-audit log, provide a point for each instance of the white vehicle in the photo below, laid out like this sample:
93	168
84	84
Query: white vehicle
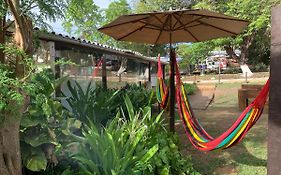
215	63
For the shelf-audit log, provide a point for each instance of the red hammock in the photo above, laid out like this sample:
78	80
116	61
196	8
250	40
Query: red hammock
199	138
95	72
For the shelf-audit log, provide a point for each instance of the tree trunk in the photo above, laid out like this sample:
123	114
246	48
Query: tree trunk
10	158
244	47
247	42
2	39
230	51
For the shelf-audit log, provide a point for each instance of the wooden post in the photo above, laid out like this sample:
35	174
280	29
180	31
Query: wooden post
274	120
53	55
219	72
172	91
149	72
163	68
104	78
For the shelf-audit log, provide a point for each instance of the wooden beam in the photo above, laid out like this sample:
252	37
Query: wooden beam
103	72
274	119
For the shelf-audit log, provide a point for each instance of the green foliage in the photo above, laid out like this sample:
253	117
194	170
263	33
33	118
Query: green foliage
92	104
142	6
254	40
259	51
232	70
194	53
260	67
38	10
11	88
168	160
84	18
190	88
85	26
100	105
119	147
136	143
8	89
42	124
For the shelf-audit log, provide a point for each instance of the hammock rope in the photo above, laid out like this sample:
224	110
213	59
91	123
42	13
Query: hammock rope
197	135
161	88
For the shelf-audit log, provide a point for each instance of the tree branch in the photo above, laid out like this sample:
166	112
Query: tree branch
5	27
14	10
28	7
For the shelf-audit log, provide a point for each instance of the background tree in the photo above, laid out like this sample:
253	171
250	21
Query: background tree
142	6
256	11
15	72
194	53
83	18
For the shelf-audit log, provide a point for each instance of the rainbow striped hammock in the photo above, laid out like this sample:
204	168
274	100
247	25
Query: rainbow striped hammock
199	138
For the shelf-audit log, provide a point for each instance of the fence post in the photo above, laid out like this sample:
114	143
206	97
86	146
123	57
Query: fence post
219	72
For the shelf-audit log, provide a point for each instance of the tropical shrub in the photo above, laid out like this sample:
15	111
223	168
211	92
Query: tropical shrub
44	123
119	148
133	144
92	104
100	105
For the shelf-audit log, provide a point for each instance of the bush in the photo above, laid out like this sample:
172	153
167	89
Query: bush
234	70
133	144
190	88
100	105
260	67
119	148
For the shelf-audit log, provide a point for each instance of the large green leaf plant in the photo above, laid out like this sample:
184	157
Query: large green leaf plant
44	124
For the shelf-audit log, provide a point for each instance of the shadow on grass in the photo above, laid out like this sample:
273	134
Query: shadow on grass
246	158
254	142
229	161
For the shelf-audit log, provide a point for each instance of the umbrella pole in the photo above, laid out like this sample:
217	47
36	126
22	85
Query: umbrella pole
172	88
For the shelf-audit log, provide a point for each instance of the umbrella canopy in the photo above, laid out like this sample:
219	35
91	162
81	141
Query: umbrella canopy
173	27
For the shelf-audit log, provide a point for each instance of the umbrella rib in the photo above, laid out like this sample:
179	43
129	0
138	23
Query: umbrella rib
148	24
187	30
177	19
155	16
230	18
161	30
196	39
190	22
217	27
128	34
106	27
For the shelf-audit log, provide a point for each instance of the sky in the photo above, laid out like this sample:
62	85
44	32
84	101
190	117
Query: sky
102	3
57	27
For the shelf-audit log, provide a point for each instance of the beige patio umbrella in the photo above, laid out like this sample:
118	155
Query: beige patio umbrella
173	27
